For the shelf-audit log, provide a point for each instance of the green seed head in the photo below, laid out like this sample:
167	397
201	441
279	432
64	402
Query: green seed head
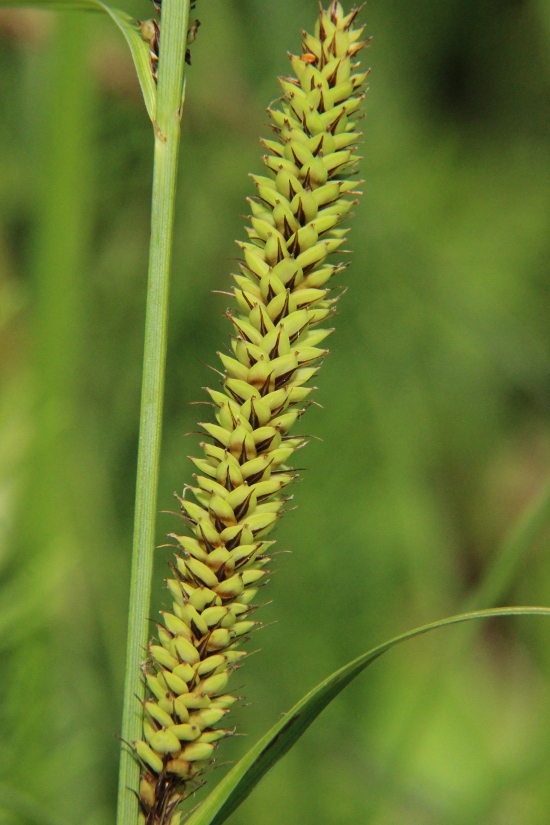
282	295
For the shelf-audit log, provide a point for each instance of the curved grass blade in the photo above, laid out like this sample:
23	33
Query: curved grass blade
514	552
129	28
246	774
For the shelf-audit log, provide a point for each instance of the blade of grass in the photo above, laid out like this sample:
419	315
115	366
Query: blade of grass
175	15
129	28
498	578
245	775
56	117
503	568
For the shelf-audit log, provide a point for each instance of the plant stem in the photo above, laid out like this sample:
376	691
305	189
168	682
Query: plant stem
175	14
57	108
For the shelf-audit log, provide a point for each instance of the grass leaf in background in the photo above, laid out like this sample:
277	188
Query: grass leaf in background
497	580
52	574
512	554
242	779
20	804
127	25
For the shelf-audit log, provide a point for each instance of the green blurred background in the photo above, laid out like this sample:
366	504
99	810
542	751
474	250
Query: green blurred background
435	427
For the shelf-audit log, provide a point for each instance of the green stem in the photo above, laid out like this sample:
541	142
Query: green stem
175	14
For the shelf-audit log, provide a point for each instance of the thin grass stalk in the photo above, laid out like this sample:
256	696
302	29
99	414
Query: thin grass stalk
62	228
175	15
502	570
58	99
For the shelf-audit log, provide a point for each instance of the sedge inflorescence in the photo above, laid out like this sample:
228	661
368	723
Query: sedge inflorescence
282	295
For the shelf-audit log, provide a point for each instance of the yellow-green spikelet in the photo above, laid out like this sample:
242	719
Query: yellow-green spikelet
282	295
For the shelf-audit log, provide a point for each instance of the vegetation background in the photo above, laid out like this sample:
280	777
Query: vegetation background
435	424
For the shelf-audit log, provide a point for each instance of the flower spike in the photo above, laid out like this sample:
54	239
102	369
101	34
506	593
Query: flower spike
282	295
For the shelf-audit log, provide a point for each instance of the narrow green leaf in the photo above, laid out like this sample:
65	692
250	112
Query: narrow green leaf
246	774
129	28
140	54
504	568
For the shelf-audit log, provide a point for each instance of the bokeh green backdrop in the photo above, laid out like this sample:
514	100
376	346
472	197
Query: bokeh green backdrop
435	427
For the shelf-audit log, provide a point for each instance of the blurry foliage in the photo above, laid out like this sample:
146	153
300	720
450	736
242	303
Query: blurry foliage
435	423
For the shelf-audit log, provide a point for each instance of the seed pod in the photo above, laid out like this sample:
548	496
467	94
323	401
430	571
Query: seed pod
186	651
146	793
241	445
242	500
191	616
240	534
228	472
148	756
192	701
223	516
240	390
185	732
208	533
243	555
243	627
218	558
284	219
219	639
177	685
252	576
157	714
200	597
197	751
164	742
211	663
184	671
228	621
214	684
180	710
199	570
214	735
213	615
209	717
230	588
180	767
256	412
154	686
162	656
282	297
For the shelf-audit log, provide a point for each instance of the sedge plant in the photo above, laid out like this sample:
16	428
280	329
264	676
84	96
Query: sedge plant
282	299
178	689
